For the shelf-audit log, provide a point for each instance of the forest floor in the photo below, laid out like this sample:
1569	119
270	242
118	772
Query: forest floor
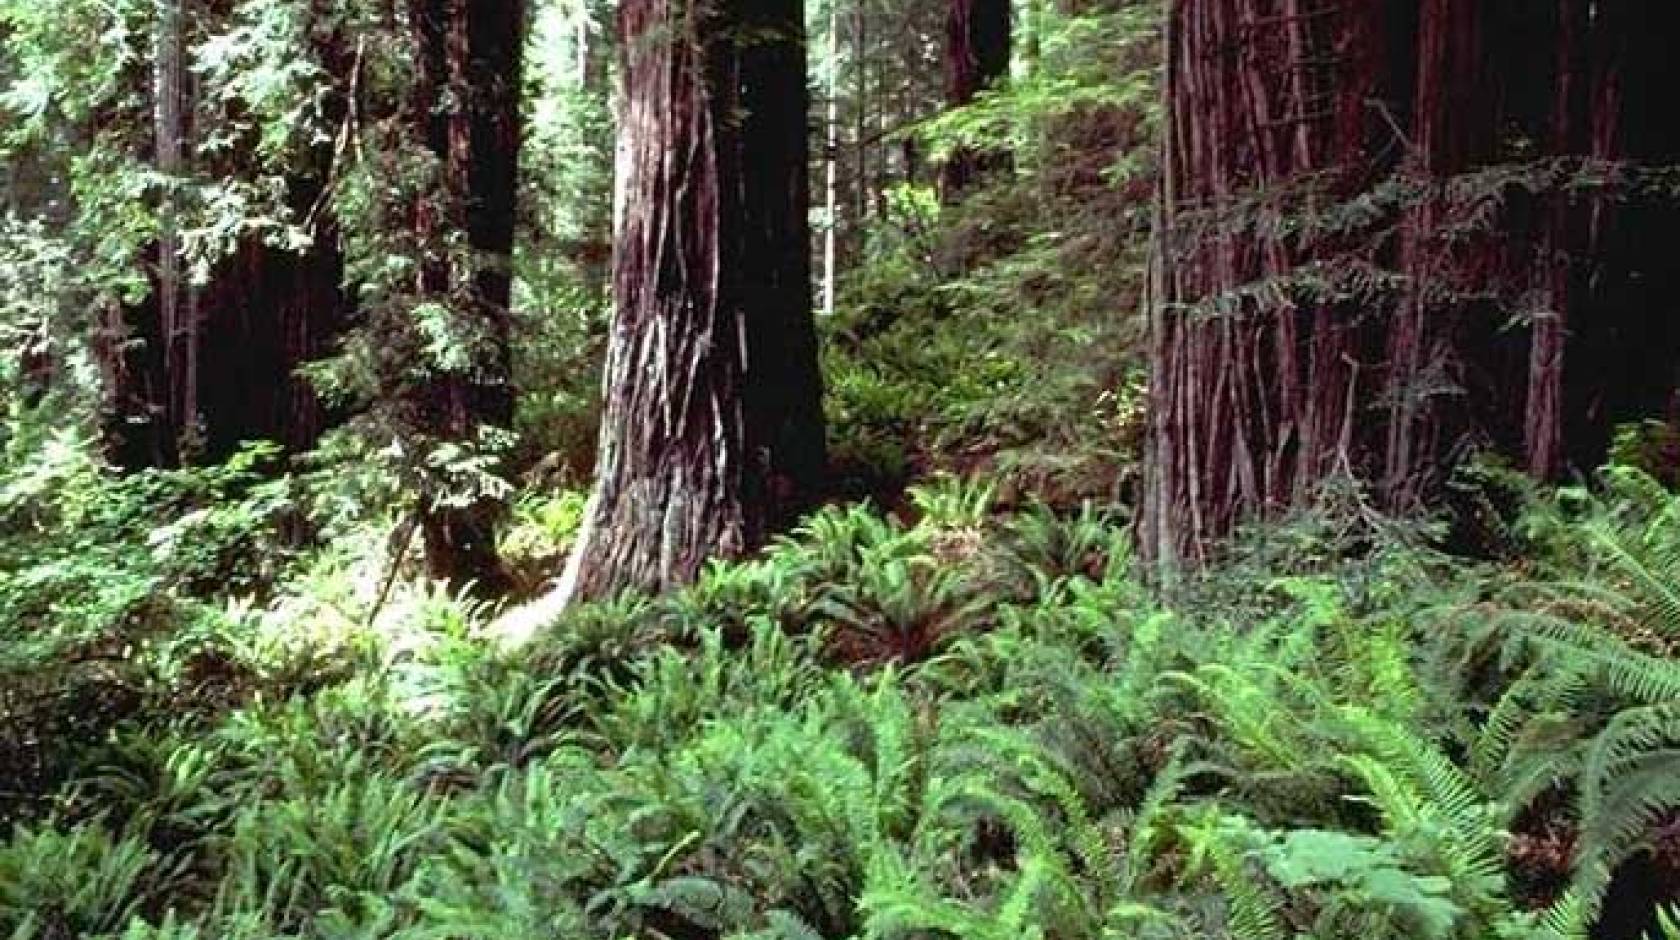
959	709
978	725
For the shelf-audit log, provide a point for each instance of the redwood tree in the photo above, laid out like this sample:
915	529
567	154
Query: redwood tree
1394	232
466	108
977	47
712	434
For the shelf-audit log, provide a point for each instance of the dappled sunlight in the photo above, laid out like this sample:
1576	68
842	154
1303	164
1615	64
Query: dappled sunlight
1228	491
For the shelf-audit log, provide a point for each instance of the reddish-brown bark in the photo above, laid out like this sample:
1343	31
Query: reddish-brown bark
1251	389
712	433
1286	351
977	48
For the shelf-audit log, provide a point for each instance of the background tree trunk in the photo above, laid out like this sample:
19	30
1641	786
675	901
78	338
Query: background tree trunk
977	48
176	301
1287	349
467	99
712	434
831	165
861	137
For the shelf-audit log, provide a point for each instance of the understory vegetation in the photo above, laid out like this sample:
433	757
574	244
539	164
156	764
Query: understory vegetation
979	724
953	701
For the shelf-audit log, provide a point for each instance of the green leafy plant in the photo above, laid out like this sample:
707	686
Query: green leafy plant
80	881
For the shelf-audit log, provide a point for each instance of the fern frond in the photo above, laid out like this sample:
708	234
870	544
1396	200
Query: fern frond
1415	783
1630	781
1256	911
1625	671
1650	565
1542	686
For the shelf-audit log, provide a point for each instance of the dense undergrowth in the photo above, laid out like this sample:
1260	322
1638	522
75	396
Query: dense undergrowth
979	725
230	709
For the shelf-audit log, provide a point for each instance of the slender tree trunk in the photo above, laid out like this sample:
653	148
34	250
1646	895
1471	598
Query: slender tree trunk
467	100
860	120
910	55
831	165
1543	427
977	48
177	311
712	434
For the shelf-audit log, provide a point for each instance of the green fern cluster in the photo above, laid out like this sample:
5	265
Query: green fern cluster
1350	748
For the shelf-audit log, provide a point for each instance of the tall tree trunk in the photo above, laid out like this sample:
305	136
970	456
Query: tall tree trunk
1247	410
176	300
831	165
1287	349
467	99
977	47
712	434
860	120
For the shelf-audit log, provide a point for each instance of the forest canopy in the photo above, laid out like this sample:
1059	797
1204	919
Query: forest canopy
848	469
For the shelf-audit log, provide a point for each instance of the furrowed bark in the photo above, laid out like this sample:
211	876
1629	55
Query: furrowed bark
1251	386
1285	352
712	434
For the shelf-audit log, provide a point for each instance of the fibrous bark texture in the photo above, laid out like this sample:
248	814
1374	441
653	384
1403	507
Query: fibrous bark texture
712	434
977	48
1393	233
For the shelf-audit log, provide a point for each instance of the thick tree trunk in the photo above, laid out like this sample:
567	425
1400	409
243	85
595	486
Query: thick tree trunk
1252	400
467	99
977	47
712	434
1298	335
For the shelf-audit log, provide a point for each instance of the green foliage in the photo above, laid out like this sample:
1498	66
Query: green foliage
1067	760
122	593
1091	66
344	850
963	718
80	882
1651	446
997	333
540	531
